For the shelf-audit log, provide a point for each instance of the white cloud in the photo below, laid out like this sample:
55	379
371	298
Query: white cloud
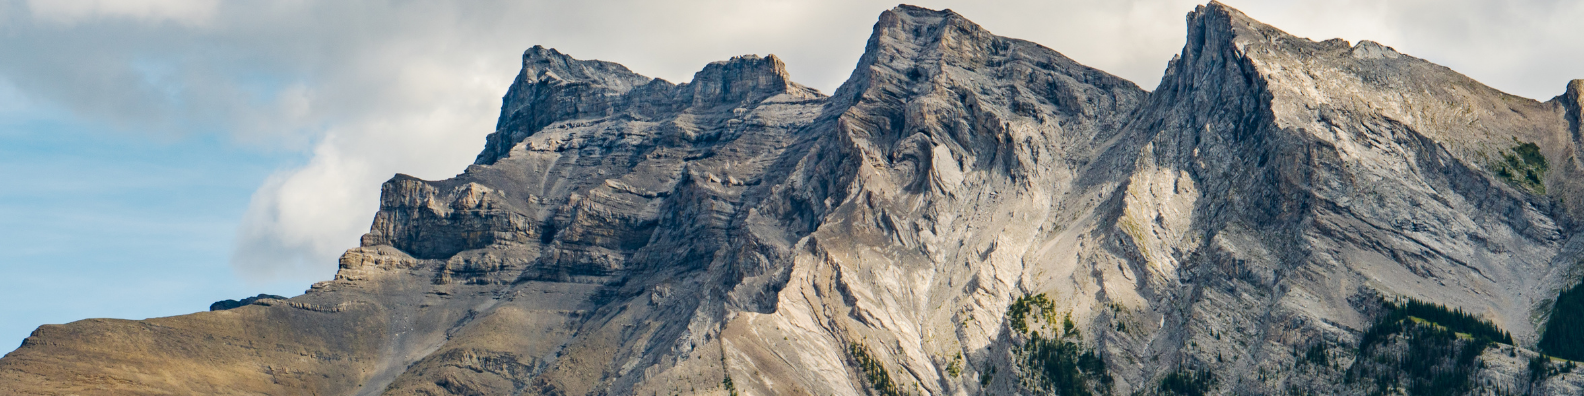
369	89
191	12
303	218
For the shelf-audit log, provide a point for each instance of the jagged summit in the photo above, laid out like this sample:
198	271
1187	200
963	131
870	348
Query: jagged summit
1571	98
1214	25
746	78
916	53
542	64
1327	173
945	37
967	214
553	87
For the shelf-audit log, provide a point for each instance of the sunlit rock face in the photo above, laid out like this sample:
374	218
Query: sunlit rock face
967	214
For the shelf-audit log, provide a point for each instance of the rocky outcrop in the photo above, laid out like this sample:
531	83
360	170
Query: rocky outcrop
967	214
1322	174
958	147
233	304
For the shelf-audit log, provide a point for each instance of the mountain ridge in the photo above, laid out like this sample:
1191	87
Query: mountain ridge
967	214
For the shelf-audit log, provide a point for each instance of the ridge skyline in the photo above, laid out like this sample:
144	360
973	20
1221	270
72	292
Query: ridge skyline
1361	49
290	289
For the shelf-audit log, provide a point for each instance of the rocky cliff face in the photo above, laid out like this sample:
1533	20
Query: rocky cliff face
967	214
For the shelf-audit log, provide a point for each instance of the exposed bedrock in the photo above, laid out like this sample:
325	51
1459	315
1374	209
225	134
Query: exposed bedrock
967	214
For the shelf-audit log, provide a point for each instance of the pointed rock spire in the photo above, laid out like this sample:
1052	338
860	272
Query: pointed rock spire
552	87
1573	99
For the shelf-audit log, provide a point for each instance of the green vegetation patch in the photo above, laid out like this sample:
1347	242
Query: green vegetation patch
874	371
1453	319
1416	349
1187	383
1316	355
1064	367
1057	363
1542	368
1039	305
1417	358
1523	166
1564	332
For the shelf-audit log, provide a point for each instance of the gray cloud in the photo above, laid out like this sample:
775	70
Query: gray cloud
368	89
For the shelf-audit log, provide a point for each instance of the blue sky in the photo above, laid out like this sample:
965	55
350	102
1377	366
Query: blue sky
97	224
160	155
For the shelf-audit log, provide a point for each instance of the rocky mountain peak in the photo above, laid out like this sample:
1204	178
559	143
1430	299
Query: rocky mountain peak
918	24
742	79
541	64
900	35
1215	24
1372	50
1573	100
553	87
923	25
970	214
914	53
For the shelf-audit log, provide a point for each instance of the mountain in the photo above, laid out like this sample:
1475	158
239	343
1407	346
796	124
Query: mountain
967	214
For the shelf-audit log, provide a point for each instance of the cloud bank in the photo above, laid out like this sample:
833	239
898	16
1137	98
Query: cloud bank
368	89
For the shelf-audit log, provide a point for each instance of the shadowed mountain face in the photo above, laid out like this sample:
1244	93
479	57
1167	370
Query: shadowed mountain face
967	214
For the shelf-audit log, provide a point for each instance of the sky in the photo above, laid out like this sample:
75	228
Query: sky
160	155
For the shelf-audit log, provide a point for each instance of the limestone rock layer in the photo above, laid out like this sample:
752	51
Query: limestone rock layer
967	214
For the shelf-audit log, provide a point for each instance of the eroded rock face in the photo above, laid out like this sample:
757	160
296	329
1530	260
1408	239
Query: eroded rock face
967	214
